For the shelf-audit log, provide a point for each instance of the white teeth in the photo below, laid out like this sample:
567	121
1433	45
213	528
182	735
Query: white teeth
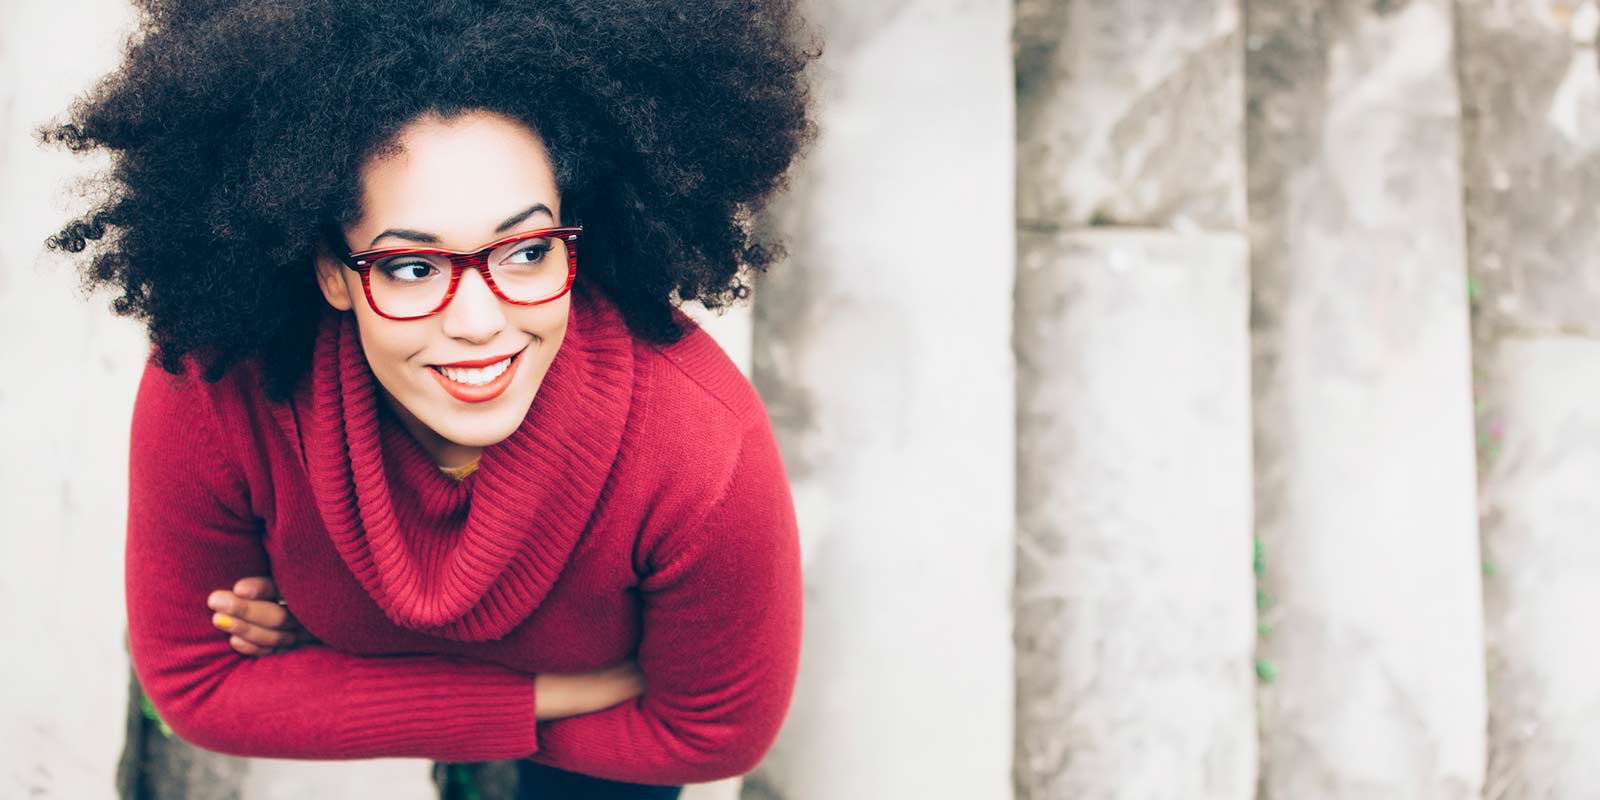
475	377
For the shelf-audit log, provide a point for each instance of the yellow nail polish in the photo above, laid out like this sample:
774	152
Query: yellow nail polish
224	622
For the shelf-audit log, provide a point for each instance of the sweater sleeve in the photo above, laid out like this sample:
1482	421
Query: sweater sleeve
720	641
190	532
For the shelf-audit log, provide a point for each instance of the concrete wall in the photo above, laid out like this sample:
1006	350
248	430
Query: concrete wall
883	352
63	667
1135	621
1364	477
1531	92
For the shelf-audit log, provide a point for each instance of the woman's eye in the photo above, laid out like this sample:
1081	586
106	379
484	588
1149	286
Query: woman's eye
532	254
408	270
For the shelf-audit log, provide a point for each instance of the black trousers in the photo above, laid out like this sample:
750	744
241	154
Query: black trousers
538	782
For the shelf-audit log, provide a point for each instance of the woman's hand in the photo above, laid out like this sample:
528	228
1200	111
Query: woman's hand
557	696
258	625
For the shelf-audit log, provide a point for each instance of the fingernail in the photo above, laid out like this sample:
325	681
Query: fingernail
214	601
223	621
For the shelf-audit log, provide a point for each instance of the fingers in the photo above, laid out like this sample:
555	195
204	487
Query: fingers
245	648
248	648
254	635
261	613
256	627
259	587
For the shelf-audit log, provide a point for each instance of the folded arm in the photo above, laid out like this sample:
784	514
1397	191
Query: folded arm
720	644
190	532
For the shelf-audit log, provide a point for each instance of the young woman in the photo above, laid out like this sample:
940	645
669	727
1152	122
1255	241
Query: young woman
410	271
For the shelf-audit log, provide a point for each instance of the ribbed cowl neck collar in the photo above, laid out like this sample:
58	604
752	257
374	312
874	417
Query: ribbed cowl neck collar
465	560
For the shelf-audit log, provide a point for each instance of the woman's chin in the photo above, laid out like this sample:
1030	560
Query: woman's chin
484	429
482	423
479	438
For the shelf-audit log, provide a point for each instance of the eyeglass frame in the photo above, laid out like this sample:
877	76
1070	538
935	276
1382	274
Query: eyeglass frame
363	261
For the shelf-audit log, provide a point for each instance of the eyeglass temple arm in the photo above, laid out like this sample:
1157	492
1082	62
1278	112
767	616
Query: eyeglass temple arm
335	240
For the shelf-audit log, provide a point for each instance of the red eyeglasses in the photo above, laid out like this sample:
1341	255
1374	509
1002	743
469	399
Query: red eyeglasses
523	269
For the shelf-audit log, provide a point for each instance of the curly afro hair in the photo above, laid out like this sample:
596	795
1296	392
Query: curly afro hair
236	131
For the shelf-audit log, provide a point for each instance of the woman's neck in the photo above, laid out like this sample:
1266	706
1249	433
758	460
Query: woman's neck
445	453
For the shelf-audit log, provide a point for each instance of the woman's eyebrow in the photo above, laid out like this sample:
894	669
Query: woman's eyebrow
428	238
515	219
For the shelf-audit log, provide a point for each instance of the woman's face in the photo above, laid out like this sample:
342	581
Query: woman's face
455	184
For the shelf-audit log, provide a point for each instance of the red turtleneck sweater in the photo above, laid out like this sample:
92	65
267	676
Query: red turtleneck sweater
640	511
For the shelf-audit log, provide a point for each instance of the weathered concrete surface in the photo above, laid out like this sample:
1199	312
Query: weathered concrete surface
1531	95
883	353
1129	113
63	433
1541	511
1135	625
1530	90
1365	470
398	778
1135	602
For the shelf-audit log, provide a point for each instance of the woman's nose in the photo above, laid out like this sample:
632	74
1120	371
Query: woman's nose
474	313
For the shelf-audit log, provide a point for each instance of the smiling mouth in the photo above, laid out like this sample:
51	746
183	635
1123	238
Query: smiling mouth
478	384
479	376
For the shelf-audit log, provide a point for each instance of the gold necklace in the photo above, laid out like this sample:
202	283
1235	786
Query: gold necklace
460	473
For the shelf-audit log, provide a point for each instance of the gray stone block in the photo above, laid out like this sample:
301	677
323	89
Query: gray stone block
1541	511
1135	615
1530	90
1531	93
883	352
1129	113
1364	464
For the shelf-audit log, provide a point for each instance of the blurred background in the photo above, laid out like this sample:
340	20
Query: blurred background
1182	398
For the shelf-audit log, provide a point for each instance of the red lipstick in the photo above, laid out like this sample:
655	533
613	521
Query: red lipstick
478	394
479	362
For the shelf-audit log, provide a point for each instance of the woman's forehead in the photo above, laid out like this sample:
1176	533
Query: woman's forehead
535	215
466	174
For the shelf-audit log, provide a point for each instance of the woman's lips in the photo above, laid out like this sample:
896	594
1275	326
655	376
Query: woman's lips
468	393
